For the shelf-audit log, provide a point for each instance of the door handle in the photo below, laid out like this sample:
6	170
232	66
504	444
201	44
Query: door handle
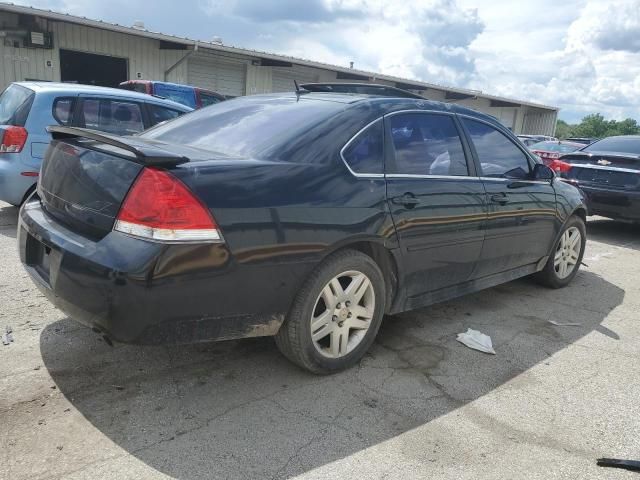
500	198
409	200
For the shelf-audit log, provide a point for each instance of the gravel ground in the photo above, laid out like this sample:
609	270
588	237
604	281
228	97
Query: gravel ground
420	405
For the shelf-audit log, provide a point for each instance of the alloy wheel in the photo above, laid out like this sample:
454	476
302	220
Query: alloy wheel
567	253
342	314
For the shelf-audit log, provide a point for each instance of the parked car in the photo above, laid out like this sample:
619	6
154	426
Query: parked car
608	172
550	151
27	108
193	97
582	140
529	140
306	217
360	88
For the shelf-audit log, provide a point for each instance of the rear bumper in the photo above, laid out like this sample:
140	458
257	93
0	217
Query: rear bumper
142	292
13	185
617	204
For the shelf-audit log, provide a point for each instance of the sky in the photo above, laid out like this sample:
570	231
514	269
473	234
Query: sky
580	55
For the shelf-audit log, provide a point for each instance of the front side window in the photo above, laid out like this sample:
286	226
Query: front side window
364	154
499	157
112	116
427	144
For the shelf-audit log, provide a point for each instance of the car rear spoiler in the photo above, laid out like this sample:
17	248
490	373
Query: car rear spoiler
145	153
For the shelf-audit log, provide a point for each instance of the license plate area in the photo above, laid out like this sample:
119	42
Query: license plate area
38	256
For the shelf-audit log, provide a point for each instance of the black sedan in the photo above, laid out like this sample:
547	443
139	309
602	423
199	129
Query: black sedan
304	216
608	172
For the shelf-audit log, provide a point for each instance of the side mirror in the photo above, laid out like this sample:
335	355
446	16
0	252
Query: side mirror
542	172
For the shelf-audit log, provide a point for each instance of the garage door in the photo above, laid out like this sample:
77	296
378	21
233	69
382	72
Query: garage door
283	78
224	77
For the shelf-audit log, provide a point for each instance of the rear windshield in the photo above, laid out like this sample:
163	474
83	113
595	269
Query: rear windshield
554	147
15	103
616	144
247	126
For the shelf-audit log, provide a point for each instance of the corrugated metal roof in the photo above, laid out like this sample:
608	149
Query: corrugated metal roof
65	17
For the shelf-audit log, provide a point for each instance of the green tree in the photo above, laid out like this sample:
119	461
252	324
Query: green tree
563	129
596	126
628	127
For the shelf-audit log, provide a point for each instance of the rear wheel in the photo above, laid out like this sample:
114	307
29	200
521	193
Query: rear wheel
566	258
336	315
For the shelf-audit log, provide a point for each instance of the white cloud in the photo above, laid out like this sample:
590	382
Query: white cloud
589	62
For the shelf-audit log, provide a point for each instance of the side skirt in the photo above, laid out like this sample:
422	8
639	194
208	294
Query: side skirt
471	286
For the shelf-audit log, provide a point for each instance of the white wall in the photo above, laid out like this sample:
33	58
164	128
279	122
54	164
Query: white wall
143	55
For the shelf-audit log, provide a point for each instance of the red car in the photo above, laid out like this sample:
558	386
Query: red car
550	152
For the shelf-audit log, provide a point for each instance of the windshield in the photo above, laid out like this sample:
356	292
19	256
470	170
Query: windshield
554	147
616	144
178	93
15	103
246	126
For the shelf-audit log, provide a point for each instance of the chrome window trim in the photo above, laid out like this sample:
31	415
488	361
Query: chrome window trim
510	180
435	177
346	145
432	112
603	167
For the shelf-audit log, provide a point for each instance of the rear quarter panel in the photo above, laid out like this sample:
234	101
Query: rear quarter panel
280	219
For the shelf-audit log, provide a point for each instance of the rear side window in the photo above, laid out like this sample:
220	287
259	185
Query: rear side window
162	114
427	144
364	153
499	156
63	110
112	116
15	103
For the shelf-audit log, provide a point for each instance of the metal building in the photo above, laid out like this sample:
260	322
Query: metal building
43	45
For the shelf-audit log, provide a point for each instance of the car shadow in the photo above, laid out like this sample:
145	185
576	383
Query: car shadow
616	233
238	409
8	220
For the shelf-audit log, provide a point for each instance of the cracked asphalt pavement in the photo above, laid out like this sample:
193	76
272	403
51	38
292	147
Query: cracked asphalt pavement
420	405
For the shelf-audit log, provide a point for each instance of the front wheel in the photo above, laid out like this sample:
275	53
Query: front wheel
566	258
336	315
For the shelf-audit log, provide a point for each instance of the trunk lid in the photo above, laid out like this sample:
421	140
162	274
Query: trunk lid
84	188
86	175
604	169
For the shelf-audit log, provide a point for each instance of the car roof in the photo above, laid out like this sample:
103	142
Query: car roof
78	89
381	105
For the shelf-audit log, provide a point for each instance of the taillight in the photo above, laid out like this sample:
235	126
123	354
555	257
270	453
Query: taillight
13	139
160	207
560	166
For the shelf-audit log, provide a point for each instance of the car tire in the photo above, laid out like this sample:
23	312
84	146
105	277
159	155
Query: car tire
564	253
326	309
